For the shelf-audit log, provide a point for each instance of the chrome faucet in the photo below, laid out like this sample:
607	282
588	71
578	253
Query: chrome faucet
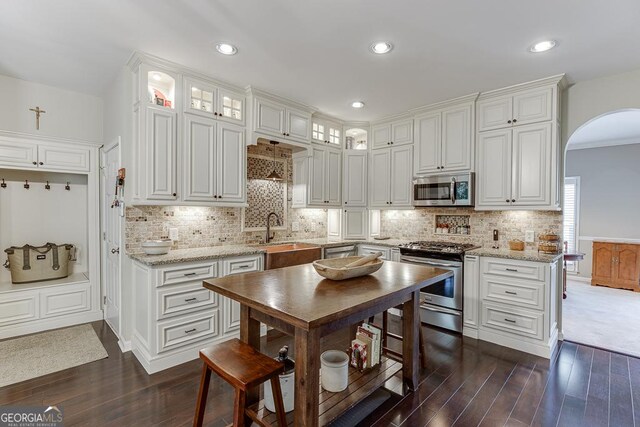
269	237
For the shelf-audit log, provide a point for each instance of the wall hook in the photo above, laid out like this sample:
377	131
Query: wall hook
4	184
47	186
26	184
66	187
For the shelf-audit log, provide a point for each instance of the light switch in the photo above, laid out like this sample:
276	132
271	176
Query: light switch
173	234
529	236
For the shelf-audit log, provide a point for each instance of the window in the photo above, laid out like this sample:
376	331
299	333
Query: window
334	136
571	216
317	132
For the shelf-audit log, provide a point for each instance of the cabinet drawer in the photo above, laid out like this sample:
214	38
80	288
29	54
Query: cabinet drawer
515	269
368	250
185	299
56	158
16	308
172	276
518	292
513	320
242	265
54	303
185	331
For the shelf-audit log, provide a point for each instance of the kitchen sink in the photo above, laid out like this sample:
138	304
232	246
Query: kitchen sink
288	254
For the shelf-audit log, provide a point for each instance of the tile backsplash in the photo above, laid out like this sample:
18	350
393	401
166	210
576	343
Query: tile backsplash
420	224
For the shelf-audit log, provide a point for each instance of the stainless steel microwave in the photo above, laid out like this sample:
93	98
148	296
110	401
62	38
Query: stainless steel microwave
444	190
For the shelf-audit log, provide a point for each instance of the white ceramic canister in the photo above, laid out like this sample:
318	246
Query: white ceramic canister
335	370
287	385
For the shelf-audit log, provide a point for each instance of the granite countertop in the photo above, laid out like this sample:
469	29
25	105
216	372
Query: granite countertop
527	255
196	254
329	243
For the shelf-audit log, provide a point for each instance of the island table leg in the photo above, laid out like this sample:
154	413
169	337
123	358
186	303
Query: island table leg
307	386
410	346
250	334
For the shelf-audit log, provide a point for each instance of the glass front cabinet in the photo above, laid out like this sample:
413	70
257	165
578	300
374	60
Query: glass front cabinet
209	100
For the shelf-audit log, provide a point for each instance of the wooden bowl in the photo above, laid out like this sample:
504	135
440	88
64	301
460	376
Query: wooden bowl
332	268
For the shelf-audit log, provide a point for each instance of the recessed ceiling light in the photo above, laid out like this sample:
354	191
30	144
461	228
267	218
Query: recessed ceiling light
157	77
357	104
381	47
226	49
542	46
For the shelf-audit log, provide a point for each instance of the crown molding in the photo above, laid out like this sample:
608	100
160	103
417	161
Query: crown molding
467	99
558	80
252	90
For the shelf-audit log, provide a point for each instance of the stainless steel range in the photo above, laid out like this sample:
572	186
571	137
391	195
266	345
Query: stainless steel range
441	302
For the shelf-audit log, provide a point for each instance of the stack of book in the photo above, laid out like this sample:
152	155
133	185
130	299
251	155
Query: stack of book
366	348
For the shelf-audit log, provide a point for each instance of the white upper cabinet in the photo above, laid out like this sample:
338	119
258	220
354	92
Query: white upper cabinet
519	155
390	178
300	178
445	140
200	159
269	117
57	157
18	154
514	167
232	153
161	154
354	223
209	100
325	177
326	132
530	106
298	125
354	186
385	135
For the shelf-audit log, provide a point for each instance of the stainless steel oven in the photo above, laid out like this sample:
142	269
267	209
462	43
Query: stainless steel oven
441	302
444	190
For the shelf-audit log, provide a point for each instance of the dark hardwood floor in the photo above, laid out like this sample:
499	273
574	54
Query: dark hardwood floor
466	383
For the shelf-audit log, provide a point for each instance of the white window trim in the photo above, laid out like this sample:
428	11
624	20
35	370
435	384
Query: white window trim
574	267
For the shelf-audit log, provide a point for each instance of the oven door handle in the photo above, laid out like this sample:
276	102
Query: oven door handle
437	264
453	190
440	310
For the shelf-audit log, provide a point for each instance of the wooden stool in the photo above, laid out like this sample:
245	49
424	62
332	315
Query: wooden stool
386	334
243	367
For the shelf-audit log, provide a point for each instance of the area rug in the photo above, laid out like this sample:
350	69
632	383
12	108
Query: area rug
36	355
602	317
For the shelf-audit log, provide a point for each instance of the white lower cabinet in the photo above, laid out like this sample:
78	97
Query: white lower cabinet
512	303
364	250
176	316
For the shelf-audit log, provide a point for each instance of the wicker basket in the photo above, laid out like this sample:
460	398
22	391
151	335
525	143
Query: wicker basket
516	245
548	248
548	237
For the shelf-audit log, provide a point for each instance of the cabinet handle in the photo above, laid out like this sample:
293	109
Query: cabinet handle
515	120
509	320
190	274
515	270
190	299
188	331
244	266
509	121
510	292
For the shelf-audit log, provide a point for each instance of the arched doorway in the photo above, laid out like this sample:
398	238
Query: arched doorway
601	206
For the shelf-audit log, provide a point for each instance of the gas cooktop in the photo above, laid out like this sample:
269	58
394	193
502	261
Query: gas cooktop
438	247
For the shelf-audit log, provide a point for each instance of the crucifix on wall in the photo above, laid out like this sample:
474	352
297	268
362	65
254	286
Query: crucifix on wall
38	111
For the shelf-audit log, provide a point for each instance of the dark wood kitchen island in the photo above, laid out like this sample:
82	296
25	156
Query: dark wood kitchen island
301	303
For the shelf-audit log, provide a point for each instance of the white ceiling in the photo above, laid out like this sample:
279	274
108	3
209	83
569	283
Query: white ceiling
317	51
619	128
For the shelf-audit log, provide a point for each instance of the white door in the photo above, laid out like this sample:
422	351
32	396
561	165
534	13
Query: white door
199	158
494	168
401	176
18	154
298	125
381	136
456	139
161	149
533	106
111	229
428	145
532	165
355	179
380	174
402	132
355	223
333	175
495	113
232	156
317	179
268	117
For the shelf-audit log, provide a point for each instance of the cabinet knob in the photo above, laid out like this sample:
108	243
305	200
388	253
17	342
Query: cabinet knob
345	203
215	113
391	142
513	200
175	194
509	121
515	120
35	163
41	163
285	134
288	135
507	200
390	203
